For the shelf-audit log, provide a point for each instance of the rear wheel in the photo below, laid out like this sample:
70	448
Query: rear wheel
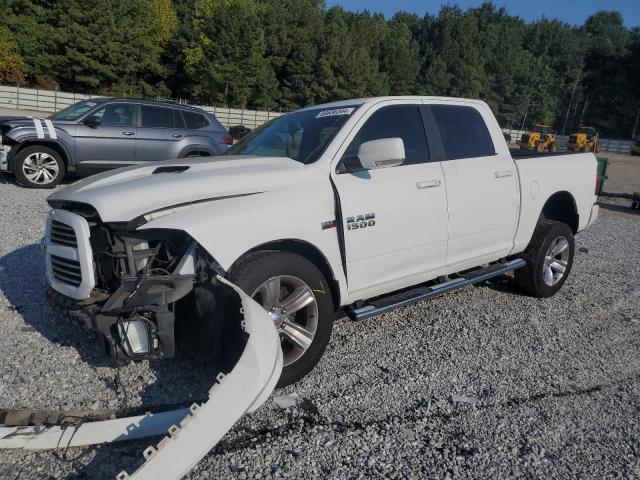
549	259
553	147
39	167
296	295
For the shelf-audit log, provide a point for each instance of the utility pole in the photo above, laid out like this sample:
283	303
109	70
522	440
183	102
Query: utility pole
573	92
526	111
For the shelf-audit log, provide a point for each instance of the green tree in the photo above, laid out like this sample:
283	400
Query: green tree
399	58
12	66
228	57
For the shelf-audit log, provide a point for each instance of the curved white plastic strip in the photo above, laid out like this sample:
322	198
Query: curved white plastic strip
191	432
244	389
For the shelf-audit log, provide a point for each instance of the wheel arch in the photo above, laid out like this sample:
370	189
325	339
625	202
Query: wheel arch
561	207
55	146
306	250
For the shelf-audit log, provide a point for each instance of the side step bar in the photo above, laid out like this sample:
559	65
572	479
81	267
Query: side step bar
418	294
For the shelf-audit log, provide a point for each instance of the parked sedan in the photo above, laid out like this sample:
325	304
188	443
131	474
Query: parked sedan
97	135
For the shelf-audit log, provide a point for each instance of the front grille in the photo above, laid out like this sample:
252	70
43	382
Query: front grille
68	254
66	270
63	234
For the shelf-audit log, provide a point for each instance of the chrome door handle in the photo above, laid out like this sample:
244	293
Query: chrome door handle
176	135
504	174
428	184
128	134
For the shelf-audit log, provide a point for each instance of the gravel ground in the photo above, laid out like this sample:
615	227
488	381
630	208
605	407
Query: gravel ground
483	382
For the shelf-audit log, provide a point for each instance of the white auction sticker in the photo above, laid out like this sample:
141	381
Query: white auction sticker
335	112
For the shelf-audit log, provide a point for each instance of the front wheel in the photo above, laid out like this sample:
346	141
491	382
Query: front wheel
297	296
549	259
39	167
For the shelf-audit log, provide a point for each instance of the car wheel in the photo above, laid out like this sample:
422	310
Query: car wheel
549	259
297	296
39	167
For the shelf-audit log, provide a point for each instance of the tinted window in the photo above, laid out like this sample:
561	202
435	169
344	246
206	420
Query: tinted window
177	119
116	115
156	117
396	121
463	132
194	120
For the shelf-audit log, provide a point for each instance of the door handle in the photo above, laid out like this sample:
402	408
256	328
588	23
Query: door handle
504	174
176	135
128	134
428	184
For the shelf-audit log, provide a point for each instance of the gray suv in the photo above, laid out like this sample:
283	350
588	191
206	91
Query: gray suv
101	134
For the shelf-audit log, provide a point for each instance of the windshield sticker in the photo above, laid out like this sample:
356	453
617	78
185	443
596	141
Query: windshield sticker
335	112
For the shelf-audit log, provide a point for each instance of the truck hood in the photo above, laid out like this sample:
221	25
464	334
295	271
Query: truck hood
127	193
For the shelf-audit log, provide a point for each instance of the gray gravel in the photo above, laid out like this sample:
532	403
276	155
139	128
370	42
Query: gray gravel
484	382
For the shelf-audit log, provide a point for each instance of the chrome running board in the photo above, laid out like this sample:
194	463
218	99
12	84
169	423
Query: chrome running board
420	293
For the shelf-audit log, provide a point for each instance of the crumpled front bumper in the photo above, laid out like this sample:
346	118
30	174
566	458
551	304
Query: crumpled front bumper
192	432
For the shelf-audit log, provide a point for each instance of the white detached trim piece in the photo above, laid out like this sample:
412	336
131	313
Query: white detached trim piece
192	432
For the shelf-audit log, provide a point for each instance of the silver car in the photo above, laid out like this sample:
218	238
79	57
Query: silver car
101	134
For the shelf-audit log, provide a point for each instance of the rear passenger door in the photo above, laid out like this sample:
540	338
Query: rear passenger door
160	134
481	183
394	219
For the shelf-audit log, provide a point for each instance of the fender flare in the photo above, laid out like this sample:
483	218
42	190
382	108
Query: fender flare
32	140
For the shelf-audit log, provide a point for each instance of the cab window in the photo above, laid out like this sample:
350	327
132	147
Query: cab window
395	121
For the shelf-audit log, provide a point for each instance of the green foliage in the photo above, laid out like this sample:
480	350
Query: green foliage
287	54
228	54
12	65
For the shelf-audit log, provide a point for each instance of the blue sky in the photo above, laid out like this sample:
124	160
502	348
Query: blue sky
574	12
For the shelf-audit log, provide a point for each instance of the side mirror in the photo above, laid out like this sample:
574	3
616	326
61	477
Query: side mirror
92	121
383	153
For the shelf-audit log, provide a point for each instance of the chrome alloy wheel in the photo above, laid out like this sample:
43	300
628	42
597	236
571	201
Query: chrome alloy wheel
40	168
555	261
294	309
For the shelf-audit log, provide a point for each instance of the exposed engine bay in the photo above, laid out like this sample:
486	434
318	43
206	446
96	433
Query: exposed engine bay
139	289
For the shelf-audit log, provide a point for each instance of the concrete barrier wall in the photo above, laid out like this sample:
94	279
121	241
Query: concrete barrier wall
50	101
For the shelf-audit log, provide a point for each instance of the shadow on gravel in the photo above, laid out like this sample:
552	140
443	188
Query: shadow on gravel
177	381
618	208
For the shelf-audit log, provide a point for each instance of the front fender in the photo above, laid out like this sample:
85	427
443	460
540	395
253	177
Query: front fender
228	228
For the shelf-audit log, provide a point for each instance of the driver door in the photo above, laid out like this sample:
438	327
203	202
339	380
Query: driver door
394	218
111	143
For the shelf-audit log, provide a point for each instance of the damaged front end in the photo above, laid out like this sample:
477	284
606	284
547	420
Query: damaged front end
137	289
122	283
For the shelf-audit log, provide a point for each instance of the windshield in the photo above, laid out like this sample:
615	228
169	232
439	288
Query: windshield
74	111
302	136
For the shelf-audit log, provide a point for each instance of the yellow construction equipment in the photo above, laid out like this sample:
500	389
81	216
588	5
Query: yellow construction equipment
585	140
540	138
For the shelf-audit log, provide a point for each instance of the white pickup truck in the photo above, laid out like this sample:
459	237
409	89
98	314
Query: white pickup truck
360	206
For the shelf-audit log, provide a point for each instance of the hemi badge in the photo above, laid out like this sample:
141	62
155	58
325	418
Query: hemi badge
329	224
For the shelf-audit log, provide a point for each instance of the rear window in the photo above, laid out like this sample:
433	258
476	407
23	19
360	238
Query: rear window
462	131
156	117
194	120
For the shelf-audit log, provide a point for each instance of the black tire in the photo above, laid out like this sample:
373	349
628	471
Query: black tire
531	277
553	147
25	153
254	269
